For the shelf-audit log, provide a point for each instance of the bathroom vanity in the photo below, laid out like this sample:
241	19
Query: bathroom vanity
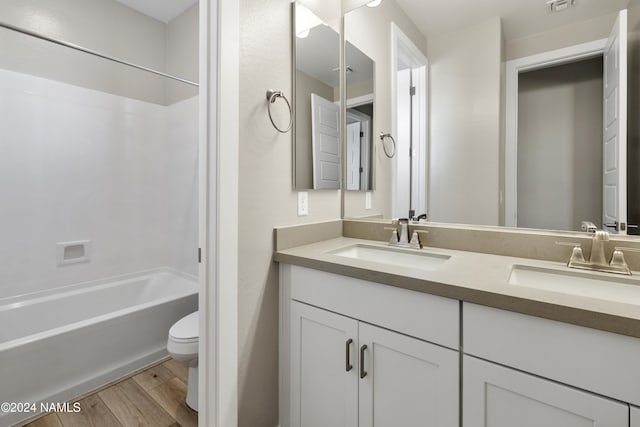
468	339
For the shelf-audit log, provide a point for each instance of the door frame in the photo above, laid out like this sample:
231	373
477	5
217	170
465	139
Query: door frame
513	68
218	213
403	47
365	127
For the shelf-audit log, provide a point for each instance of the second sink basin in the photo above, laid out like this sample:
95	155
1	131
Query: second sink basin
601	286
411	258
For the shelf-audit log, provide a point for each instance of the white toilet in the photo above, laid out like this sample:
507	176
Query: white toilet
182	345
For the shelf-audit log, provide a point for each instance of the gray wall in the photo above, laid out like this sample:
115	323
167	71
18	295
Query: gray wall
266	200
182	54
465	69
108	27
568	35
560	146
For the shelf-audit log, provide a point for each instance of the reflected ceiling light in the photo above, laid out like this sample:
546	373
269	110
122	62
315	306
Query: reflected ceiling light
305	21
374	3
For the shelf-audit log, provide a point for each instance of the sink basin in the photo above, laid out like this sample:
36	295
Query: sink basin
601	286
411	258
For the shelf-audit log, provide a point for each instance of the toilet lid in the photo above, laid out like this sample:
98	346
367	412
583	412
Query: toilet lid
185	328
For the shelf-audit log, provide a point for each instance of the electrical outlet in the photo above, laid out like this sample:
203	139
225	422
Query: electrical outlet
367	200
303	203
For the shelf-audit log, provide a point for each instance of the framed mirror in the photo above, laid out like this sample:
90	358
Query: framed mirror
316	76
510	116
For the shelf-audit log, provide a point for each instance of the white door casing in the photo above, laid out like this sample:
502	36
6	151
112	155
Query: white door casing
366	145
404	52
614	168
325	140
514	67
353	156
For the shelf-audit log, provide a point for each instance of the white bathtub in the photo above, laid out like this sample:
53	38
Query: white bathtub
56	345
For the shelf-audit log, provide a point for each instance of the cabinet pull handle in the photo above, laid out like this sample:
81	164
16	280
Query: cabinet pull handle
348	366
363	373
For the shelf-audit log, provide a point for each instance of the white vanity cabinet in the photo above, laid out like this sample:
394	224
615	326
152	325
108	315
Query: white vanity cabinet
536	371
339	369
635	417
407	382
496	396
324	375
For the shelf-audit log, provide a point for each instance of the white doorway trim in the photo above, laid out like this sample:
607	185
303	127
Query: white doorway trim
513	68
402	48
218	213
359	100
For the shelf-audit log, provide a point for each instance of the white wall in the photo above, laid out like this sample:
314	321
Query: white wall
464	72
79	164
560	146
266	200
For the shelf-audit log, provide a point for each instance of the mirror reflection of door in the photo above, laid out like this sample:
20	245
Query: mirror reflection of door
325	140
360	71
358	147
571	116
411	161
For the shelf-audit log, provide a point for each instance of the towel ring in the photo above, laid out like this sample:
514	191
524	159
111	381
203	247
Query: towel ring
272	95
383	137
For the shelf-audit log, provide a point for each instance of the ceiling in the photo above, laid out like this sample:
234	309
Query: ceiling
318	55
520	18
162	10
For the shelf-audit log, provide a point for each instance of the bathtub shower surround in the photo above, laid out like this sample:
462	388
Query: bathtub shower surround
79	164
65	342
98	218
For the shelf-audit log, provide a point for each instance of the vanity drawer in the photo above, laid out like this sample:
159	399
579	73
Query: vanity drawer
598	361
427	317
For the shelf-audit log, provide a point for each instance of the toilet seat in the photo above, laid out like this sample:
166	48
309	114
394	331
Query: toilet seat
185	330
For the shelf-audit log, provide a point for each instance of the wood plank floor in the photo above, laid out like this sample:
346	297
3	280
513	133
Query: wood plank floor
152	398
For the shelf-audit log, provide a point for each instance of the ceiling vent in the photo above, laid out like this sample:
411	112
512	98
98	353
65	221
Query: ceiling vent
559	5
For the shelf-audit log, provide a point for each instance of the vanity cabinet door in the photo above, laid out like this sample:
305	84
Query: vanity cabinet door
407	382
635	417
324	384
495	396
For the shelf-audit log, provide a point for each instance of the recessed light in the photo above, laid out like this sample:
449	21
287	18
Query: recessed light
374	3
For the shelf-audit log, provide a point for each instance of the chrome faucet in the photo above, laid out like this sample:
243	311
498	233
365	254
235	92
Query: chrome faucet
597	248
400	234
597	260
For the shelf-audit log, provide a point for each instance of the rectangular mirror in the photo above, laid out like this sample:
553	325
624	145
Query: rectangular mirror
316	128
509	115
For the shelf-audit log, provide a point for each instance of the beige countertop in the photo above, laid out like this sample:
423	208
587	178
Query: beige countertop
476	278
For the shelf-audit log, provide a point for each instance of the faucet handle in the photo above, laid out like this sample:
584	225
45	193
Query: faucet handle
576	255
617	258
393	240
